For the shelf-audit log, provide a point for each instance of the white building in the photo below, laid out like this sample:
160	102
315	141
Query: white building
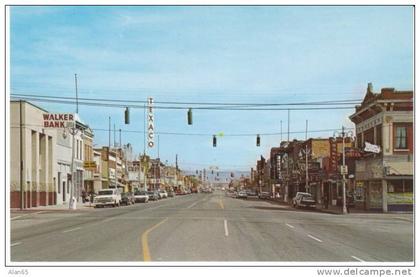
32	157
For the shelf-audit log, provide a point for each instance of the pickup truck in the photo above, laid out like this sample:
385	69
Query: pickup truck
107	197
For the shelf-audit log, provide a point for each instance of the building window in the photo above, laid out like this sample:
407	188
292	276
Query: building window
379	135
359	140
401	138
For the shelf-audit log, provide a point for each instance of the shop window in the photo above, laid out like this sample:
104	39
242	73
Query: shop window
401	138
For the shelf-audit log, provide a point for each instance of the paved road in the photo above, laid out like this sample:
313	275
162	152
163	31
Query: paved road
210	227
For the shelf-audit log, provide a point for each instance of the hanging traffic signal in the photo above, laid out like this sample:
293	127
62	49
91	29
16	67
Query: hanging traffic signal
258	140
127	116
214	141
189	116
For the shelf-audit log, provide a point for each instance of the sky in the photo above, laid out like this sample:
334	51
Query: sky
249	54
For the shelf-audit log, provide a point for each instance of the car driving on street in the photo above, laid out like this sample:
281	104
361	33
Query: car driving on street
305	200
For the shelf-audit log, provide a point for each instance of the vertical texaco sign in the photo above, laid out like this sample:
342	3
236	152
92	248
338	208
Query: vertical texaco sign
150	123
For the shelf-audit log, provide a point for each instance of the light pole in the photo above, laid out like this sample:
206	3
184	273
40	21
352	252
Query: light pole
343	134
73	131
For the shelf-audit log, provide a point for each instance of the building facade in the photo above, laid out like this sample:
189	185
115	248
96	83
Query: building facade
385	178
32	157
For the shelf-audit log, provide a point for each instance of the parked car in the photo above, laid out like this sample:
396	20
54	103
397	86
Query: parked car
251	193
171	193
294	199
107	197
141	197
305	200
242	194
264	195
163	194
127	198
153	195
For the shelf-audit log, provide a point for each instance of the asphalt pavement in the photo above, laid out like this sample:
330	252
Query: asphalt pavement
209	227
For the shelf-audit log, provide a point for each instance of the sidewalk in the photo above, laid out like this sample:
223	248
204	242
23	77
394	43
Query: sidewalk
64	207
320	208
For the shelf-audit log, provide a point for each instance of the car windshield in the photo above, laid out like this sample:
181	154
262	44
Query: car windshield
140	193
306	197
105	192
150	192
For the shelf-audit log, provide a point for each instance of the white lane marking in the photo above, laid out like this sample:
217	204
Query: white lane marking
192	205
16	243
356	258
291	226
71	230
226	228
312	237
20	216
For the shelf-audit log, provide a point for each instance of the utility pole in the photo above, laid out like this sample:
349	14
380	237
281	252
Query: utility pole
109	149
21	156
343	170
306	157
77	96
343	173
120	139
281	131
114	136
288	125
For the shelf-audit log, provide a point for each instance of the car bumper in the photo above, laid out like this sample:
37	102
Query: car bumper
101	204
141	200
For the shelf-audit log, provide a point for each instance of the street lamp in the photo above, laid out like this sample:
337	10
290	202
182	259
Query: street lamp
71	128
343	134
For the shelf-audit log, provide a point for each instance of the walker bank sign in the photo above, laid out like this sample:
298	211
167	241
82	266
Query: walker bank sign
57	120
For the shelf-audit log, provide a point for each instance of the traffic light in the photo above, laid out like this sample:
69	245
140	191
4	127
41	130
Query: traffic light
258	140
189	116
214	141
127	116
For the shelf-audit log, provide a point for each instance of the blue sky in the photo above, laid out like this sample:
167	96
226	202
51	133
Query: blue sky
211	54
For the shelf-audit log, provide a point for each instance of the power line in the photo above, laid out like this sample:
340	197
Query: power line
114	105
205	134
329	102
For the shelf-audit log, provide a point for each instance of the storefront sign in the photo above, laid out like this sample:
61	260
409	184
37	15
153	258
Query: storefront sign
57	120
400	198
89	165
150	123
372	148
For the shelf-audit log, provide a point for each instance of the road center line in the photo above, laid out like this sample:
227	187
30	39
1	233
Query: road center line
71	230
16	243
146	252
312	237
226	228
356	258
221	204
291	226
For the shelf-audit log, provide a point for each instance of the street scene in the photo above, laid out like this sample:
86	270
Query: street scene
209	227
146	134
